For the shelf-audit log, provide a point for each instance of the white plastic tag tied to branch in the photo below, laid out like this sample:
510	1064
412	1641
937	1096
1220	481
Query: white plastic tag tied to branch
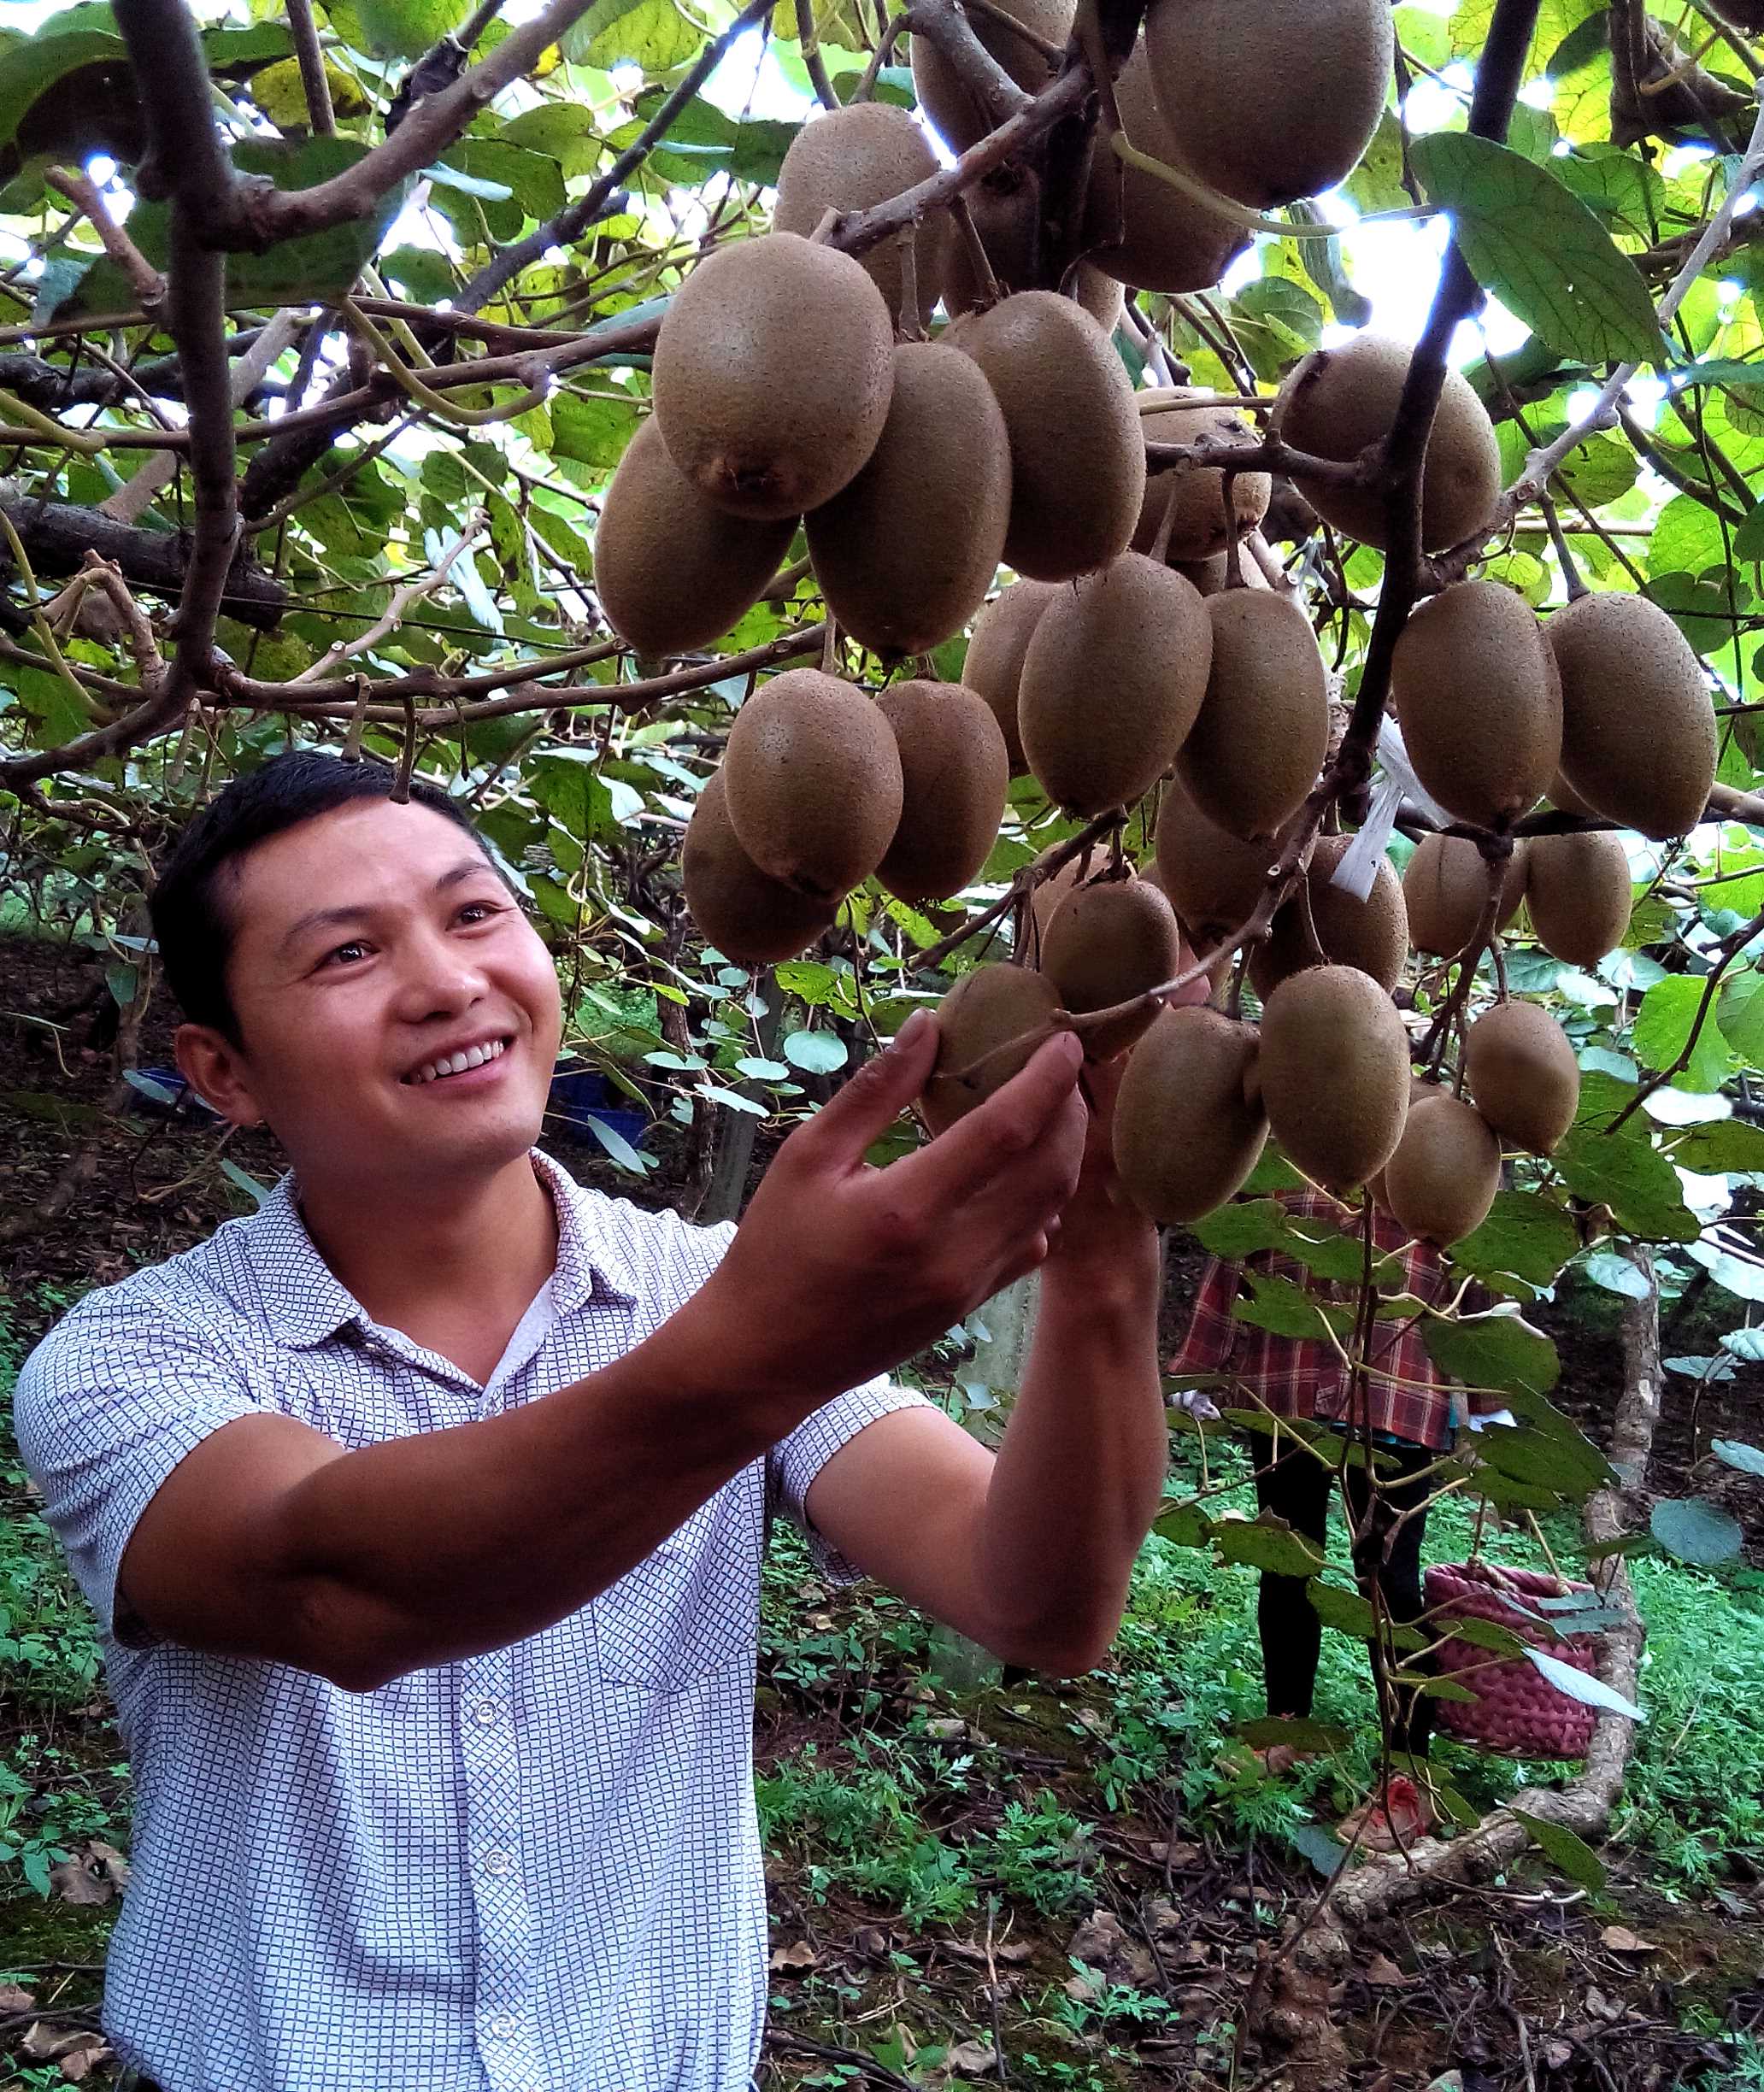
1363	856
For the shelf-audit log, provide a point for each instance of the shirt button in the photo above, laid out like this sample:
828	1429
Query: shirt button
483	1713
498	1863
504	2026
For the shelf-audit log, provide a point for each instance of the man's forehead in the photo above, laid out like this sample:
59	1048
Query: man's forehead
361	855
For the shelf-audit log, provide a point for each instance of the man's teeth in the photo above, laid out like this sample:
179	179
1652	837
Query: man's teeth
455	1064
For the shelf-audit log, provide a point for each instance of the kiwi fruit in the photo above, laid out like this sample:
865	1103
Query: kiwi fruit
672	570
1268	133
1112	681
1212	575
1066	398
850	158
1578	894
773	369
1197	527
1139	229
1441	1183
751	919
954	772
1562	795
1639	742
814	779
905	554
1214	880
1007	213
994	665
1189	1125
1446	889
1045	899
986	1010
959	119
1334	1074
1371	934
1479	702
1106	941
1523	1075
1337	402
1255	749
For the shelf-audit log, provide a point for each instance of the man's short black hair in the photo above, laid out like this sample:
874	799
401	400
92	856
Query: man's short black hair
194	929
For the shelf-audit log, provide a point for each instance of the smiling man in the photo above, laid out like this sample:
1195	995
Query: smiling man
423	1510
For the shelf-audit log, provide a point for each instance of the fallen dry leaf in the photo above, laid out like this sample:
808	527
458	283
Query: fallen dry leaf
870	1941
77	2064
947	1729
1383	1972
1101	1941
786	1960
44	2041
1558	2054
1620	1940
13	1998
972	2057
75	1882
1175	1856
1008	1953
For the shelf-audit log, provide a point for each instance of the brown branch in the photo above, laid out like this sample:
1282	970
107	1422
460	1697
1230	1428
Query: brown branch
1498	74
1724	803
314	83
943	23
1274	454
812	59
601	199
148	284
58	537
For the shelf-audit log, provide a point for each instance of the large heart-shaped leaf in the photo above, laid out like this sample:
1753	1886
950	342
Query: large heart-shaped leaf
1532	243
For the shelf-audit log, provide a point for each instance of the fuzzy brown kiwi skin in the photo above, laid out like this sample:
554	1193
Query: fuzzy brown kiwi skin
863	155
994	666
978	1020
1255	749
813	774
772	371
750	919
673	571
1579	894
1441	1182
952	110
1189	1126
954	772
1522	1075
1105	943
1198	528
1065	395
1446	884
905	554
1371	934
1335	1073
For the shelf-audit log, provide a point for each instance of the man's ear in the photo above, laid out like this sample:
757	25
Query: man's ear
217	1071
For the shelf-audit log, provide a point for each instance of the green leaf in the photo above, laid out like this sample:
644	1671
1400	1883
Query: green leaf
593	431
1693	1529
1235	1231
653	34
1483	1634
1728	1146
1319	1844
1184	1526
1572	1853
1617	1274
33	66
1735	1453
317	264
1266	1543
257	1193
1701	609
1498	1350
1532	243
579	39
1287	1310
1527	1236
1601	470
1581	1685
1740	1013
393	28
1626	1173
819	1053
1349	1613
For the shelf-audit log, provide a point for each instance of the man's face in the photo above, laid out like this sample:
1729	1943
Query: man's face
371	942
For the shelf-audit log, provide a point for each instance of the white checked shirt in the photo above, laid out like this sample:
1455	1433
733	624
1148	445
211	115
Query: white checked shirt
534	1871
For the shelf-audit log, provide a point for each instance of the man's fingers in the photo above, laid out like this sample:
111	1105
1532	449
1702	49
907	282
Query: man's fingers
961	1161
862	1111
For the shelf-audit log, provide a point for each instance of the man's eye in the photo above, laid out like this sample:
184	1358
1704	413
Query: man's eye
355	945
480	907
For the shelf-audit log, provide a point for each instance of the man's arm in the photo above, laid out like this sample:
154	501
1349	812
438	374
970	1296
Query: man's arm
270	1540
1030	1553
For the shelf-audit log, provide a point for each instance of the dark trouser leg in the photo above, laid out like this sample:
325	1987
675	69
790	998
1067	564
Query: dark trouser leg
1390	1554
1295	1488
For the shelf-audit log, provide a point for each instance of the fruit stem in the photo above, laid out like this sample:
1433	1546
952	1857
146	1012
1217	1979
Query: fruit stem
978	259
1240	213
1571	573
1233	546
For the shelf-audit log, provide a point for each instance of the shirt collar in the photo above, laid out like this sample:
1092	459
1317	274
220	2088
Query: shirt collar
305	1303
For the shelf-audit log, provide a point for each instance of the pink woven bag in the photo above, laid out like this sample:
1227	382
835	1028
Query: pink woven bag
1516	1712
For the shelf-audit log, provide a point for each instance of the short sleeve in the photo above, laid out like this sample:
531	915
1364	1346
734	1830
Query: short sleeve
106	1407
793	1463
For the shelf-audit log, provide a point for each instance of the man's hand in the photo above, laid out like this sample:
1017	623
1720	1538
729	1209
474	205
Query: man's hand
840	1270
1104	1241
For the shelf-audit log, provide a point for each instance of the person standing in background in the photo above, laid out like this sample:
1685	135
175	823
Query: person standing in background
1407	1405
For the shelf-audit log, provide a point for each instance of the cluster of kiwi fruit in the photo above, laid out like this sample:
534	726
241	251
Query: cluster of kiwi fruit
1136	647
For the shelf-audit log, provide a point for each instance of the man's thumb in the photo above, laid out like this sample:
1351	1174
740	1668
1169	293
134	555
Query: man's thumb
864	1109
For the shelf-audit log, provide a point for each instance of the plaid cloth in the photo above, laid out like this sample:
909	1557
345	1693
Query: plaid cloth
1303	1379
